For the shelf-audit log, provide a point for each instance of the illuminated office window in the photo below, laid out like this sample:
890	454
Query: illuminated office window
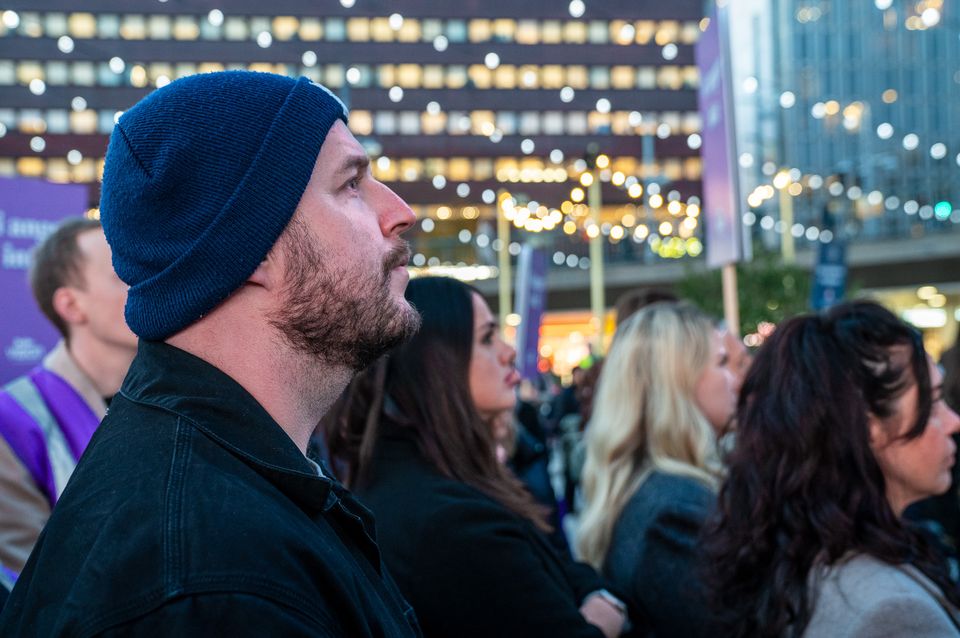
528	32
333	76
691	77
361	123
456	77
692	168
85	171
480	76
482	169
433	76
29	70
529	76
388	173
108	26
82	25
621	77
106	77
8	73
504	30
552	77
311	29
530	123
381	31
689	33
55	25
409	123
435	166
597	32
58	121
480	30
83	122
575	33
671	119
58	170
646	77
158	27
456	31
409	31
285	27
31	166
553	123
482	122
8	167
577	77
386	75
576	123
618	33
8	118
667	31
32	122
157	69
358	30
505	76
410	75
599	77
646	29
105	122
458	123
672	169
186	28
84	74
384	123
551	32
235	28
58	73
598	122
669	77
258	25
507	122
691	123
366	76
133	27
335	30
411	170
312	73
433	124
620	123
459	169
30	25
209	31
183	69
138	76
431	28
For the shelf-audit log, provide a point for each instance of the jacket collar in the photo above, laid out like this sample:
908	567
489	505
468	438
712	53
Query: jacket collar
215	404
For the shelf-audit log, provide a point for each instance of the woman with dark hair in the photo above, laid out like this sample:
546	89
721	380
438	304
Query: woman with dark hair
841	425
463	539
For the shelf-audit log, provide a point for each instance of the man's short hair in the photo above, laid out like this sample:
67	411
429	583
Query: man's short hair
57	262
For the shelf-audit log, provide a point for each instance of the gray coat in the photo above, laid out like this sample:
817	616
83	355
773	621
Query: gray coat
653	556
865	597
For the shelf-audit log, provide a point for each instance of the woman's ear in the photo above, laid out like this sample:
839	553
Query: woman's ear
878	432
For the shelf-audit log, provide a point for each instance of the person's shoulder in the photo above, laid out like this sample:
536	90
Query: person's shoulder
862	595
672	492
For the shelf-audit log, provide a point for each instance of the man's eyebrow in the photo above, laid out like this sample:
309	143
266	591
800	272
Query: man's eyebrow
353	164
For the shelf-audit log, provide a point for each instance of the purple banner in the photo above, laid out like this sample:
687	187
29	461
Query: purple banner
718	151
530	303
30	210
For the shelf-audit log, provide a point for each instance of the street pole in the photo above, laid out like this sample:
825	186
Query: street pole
503	258
731	302
596	265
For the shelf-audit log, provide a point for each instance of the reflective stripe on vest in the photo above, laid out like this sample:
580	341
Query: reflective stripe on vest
62	463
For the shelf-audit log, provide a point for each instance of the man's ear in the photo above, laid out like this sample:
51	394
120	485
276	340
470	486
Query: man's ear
269	273
68	306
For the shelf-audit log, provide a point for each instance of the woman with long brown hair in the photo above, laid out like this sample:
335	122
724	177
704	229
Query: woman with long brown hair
463	539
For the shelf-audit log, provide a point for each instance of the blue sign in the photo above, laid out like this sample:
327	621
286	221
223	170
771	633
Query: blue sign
829	275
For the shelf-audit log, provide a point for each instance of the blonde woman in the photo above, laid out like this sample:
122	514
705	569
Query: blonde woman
664	396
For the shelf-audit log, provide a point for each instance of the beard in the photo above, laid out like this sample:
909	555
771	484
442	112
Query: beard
340	316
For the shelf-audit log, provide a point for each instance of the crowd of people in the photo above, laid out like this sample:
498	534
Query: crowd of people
296	439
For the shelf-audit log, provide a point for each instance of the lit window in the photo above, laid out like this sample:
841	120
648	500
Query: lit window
409	76
433	124
31	166
361	123
132	27
84	74
668	77
183	69
457	31
667	32
480	30
528	32
333	76
553	123
551	32
691	123
82	25
576	123
30	25
27	71
8	166
456	77
409	31
155	70
55	25
105	122
459	169
285	27
599	77
480	76
646	77
482	123
620	123
85	171
335	30
598	123
621	77
32	122
159	27
58	170
672	169
482	169
577	77
410	170
83	122
690	33
504	30
58	73
691	77
431	29
358	29
551	77
210	31
575	33
530	123
409	123
106	77
692	168
505	77
433	76
186	28
235	28
8	73
529	76
385	123
645	31
597	32
311	29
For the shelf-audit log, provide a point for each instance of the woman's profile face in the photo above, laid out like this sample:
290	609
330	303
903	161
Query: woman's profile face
492	376
914	469
715	392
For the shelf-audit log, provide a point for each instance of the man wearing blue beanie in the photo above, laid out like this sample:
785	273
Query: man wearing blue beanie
265	267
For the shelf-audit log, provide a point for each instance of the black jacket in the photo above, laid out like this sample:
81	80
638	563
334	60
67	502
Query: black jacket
654	556
192	513
469	566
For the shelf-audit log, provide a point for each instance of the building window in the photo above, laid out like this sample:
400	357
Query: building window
311	29
82	25
335	30
480	31
186	28
358	29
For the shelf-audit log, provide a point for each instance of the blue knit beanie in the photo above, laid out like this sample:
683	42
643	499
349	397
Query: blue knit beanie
201	178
